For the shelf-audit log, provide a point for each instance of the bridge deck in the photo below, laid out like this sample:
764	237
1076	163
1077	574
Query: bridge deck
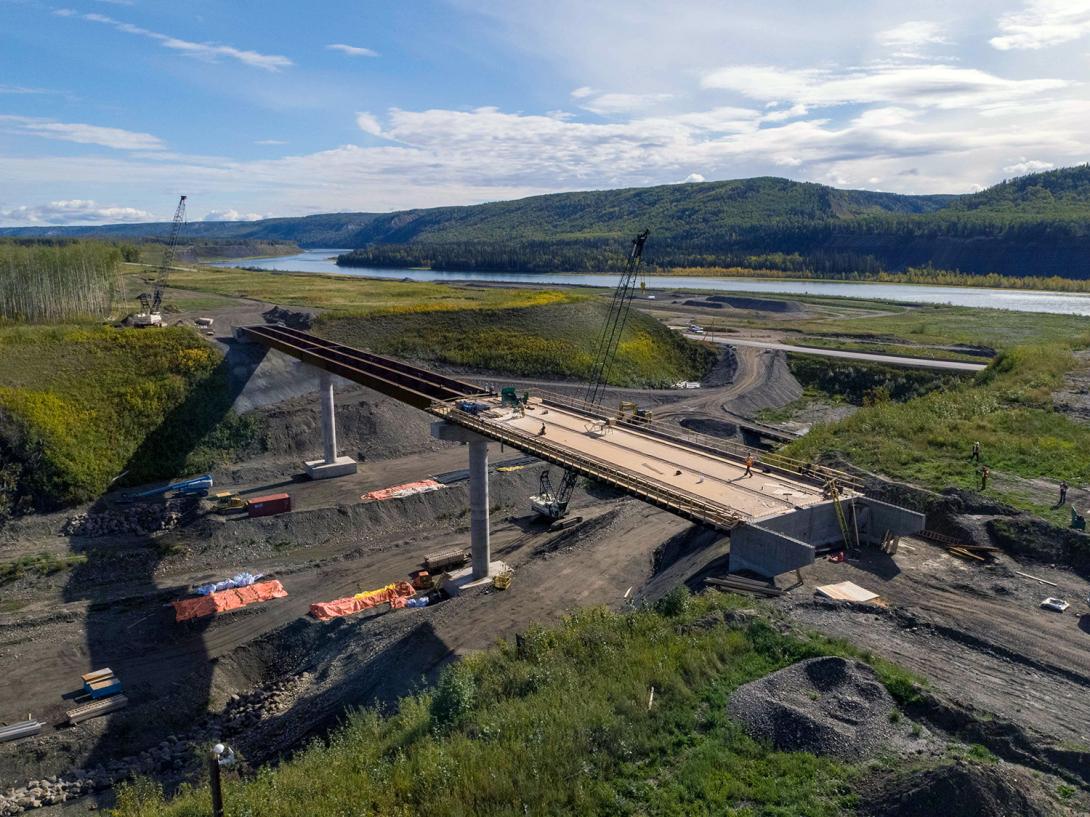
640	460
712	477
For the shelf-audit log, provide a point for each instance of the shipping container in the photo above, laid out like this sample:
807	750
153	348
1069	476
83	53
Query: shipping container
269	505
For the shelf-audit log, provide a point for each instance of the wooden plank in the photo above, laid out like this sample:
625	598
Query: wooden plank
96	675
1037	579
846	591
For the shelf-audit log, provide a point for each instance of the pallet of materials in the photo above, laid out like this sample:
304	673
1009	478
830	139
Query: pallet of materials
396	595
226	600
96	708
101	683
22	729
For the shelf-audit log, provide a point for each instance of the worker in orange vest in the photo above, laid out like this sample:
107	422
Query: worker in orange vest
749	465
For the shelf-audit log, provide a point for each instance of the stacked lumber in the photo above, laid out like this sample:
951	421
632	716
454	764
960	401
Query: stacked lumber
959	549
740	584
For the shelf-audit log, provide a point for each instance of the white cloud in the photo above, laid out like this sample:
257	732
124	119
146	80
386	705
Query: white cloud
582	92
939	86
1024	166
73	211
693	178
368	123
82	133
912	35
352	50
209	51
21	90
231	215
607	104
1041	23
270	142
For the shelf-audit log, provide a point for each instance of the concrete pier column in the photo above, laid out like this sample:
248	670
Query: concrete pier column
329	419
480	548
479	542
331	465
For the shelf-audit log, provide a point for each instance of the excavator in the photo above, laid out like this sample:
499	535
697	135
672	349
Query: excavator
553	504
151	304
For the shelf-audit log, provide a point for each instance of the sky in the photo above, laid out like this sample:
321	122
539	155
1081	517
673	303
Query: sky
110	109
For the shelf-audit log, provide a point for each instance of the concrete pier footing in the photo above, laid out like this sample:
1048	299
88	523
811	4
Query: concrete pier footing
479	534
331	465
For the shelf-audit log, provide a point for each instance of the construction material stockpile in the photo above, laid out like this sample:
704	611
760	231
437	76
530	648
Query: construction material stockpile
225	600
397	595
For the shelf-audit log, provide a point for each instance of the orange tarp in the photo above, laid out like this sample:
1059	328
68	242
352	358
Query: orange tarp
226	600
406	489
395	594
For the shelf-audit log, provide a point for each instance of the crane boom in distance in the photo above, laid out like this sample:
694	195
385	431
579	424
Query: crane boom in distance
554	504
151	304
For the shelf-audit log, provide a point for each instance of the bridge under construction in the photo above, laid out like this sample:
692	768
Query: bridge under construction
777	515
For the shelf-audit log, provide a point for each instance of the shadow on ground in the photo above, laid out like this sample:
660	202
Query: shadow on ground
164	667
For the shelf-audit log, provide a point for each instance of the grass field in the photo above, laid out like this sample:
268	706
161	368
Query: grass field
359	296
79	404
948	325
525	332
1007	408
562	724
550	340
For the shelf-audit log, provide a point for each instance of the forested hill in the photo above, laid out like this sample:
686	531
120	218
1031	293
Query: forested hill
1033	225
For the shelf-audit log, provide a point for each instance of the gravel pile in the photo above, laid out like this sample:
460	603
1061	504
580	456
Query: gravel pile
958	790
827	706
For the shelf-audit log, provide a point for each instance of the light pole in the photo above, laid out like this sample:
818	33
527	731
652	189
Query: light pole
220	757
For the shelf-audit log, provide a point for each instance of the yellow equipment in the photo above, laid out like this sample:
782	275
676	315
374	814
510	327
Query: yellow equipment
634	414
228	501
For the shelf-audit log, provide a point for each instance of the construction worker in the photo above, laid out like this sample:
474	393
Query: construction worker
976	452
749	465
542	432
984	472
1063	492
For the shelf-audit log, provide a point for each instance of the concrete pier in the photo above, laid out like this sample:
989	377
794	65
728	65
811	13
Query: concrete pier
479	534
331	465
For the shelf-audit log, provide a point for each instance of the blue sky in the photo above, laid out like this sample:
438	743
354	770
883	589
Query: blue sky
109	109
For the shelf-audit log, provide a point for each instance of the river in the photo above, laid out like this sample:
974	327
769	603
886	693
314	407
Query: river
1018	300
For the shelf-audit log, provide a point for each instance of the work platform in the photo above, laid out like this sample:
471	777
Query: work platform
777	517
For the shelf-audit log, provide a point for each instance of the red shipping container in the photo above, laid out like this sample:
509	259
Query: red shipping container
269	505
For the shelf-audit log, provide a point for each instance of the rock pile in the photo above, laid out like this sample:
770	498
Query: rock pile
171	755
826	706
174	756
139	520
244	711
